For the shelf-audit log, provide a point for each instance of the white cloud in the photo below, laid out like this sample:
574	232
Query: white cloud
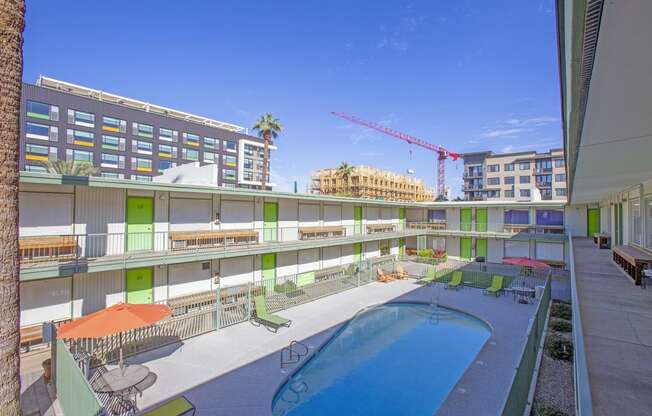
499	133
532	121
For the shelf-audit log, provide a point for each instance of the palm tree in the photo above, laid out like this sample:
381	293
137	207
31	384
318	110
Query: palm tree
12	23
268	128
70	168
344	171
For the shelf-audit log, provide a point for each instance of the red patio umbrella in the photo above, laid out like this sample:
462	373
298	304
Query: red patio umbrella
525	262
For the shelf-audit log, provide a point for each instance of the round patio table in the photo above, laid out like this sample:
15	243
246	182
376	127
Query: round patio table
121	379
523	293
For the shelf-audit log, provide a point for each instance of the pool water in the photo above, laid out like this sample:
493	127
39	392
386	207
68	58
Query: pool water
395	359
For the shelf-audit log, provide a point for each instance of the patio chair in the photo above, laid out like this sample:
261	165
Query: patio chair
263	317
429	277
456	281
496	287
175	407
400	272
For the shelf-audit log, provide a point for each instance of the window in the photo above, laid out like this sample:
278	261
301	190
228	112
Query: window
112	175
110	160
248	150
37	152
524	179
560	191
560	163
165	164
190	154
142	178
517	216
113	143
210	157
211	143
550	217
36	168
546	193
635	211
141	165
142	130
490	181
544	180
493	168
509	167
114	125
248	163
81	118
167	151
80	138
228	174
229	161
248	176
42	111
508	193
525	193
41	132
229	146
509	180
648	221
141	147
544	165
493	194
228	185
79	155
191	139
560	177
168	135
524	165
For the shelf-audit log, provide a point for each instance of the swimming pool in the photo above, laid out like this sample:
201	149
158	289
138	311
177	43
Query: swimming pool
394	359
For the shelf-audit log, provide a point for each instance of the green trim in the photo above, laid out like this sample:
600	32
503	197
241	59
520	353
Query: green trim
592	221
465	219
39	116
481	219
465	248
481	247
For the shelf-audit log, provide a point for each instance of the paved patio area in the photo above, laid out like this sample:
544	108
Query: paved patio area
236	371
617	324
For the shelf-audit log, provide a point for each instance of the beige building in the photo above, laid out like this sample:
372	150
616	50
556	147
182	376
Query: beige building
370	183
523	176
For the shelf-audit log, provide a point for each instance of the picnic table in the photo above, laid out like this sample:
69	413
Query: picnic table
602	240
313	233
43	248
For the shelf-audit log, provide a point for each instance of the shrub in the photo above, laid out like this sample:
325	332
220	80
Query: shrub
561	325
286	287
550	411
561	310
426	252
440	255
559	348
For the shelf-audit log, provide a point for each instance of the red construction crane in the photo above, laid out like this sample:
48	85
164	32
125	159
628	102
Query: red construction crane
442	154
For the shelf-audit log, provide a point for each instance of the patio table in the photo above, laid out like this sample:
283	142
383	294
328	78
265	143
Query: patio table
121	379
523	293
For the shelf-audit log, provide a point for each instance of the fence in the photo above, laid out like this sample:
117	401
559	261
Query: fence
518	398
73	391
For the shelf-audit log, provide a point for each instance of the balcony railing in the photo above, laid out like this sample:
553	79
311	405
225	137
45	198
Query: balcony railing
489	227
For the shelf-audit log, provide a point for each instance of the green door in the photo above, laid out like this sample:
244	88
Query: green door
465	247
140	285
481	248
357	220
481	219
401	247
268	267
357	253
593	218
140	223
270	221
401	218
465	219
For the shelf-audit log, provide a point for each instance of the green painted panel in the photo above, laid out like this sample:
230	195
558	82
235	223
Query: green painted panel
465	247
481	248
465	219
268	266
140	223
593	218
304	279
74	393
401	246
401	218
357	220
270	221
481	219
140	285
357	252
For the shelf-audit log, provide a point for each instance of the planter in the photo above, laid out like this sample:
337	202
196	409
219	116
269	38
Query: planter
47	369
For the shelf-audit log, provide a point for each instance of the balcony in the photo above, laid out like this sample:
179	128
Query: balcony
486	227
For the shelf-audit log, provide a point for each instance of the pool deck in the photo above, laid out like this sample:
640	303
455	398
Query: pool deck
617	326
236	370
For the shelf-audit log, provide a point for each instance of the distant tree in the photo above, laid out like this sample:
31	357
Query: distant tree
70	168
268	128
458	199
441	198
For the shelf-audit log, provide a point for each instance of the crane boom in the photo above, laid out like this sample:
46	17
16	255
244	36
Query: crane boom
442	153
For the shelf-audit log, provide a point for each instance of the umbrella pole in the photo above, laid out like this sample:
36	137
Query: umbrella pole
121	363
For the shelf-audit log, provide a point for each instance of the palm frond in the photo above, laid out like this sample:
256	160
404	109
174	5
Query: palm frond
70	168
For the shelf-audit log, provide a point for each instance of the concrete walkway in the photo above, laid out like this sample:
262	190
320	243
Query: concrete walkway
617	324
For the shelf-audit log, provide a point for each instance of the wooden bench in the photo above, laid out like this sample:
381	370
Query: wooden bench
380	228
517	228
33	334
314	233
632	260
45	248
428	225
603	240
194	239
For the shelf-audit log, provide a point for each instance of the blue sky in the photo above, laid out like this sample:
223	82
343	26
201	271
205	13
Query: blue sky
468	75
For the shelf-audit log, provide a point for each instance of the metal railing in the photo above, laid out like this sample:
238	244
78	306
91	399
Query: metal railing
583	402
75	394
488	227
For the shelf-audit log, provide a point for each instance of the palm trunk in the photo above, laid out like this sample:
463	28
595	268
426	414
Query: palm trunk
12	22
266	140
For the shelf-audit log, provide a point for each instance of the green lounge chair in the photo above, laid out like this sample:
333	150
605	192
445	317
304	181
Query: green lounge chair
456	281
431	276
270	321
496	287
175	407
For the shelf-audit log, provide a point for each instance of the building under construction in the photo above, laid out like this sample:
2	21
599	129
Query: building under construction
370	183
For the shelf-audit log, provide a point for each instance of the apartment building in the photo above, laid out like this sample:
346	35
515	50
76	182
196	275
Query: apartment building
522	176
87	243
370	183
129	139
